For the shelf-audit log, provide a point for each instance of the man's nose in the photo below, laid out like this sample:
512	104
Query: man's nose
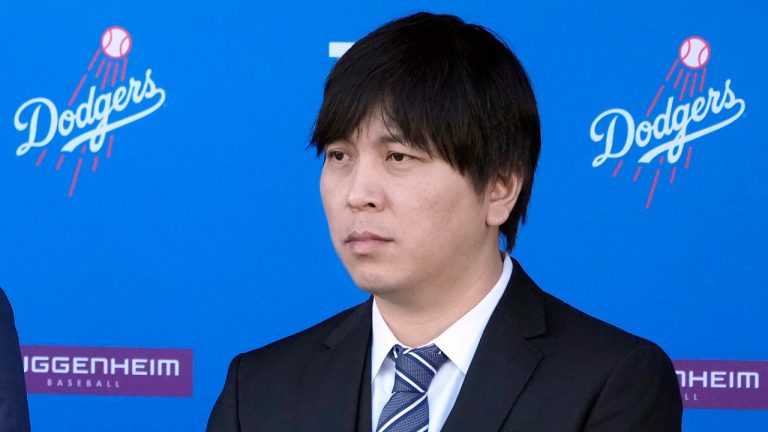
365	188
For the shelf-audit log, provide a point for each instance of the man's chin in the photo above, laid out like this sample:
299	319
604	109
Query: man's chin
373	283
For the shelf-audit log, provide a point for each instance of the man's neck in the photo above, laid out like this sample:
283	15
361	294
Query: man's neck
420	315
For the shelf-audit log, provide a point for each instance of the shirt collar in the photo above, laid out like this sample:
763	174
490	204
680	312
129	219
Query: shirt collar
458	342
383	340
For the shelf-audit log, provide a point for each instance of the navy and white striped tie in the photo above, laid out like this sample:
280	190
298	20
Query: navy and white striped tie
407	409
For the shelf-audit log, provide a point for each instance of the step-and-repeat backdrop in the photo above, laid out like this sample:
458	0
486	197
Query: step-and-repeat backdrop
160	213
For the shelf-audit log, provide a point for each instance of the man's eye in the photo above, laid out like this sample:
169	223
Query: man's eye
398	157
335	155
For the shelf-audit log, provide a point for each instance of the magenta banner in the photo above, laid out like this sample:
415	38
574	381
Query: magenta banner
723	384
107	371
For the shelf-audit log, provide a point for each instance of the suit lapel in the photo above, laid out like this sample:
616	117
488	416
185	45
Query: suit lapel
504	360
364	404
331	384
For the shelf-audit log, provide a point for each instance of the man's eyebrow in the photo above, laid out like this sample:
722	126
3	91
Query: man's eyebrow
390	138
383	139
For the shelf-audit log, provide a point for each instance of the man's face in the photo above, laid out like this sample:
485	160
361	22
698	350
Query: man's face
398	218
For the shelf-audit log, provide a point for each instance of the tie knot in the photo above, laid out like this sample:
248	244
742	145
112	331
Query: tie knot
415	367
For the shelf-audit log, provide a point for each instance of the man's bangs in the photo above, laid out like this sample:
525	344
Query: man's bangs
342	117
338	119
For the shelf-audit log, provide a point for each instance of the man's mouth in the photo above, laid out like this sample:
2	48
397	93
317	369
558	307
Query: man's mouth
365	242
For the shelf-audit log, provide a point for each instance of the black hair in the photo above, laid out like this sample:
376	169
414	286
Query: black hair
452	89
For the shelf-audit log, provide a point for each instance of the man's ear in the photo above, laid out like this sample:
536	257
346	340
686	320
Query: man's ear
502	196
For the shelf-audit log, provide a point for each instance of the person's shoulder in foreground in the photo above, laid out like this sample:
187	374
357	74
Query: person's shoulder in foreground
14	414
430	136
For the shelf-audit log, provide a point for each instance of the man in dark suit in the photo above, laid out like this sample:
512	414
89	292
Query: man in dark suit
430	134
14	415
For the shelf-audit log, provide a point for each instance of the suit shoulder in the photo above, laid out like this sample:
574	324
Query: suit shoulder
294	348
627	380
589	335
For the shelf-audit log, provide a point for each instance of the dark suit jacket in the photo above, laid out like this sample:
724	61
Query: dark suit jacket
14	415
541	365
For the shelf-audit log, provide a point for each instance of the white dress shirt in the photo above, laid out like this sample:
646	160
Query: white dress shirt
458	342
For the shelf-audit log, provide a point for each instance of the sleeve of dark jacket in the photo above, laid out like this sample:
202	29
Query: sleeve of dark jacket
224	417
641	394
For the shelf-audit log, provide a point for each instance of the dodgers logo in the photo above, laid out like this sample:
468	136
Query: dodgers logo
108	100
686	107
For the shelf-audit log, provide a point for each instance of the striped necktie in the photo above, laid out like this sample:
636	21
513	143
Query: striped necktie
407	409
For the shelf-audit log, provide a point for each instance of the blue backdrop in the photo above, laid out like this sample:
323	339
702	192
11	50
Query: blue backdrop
203	229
